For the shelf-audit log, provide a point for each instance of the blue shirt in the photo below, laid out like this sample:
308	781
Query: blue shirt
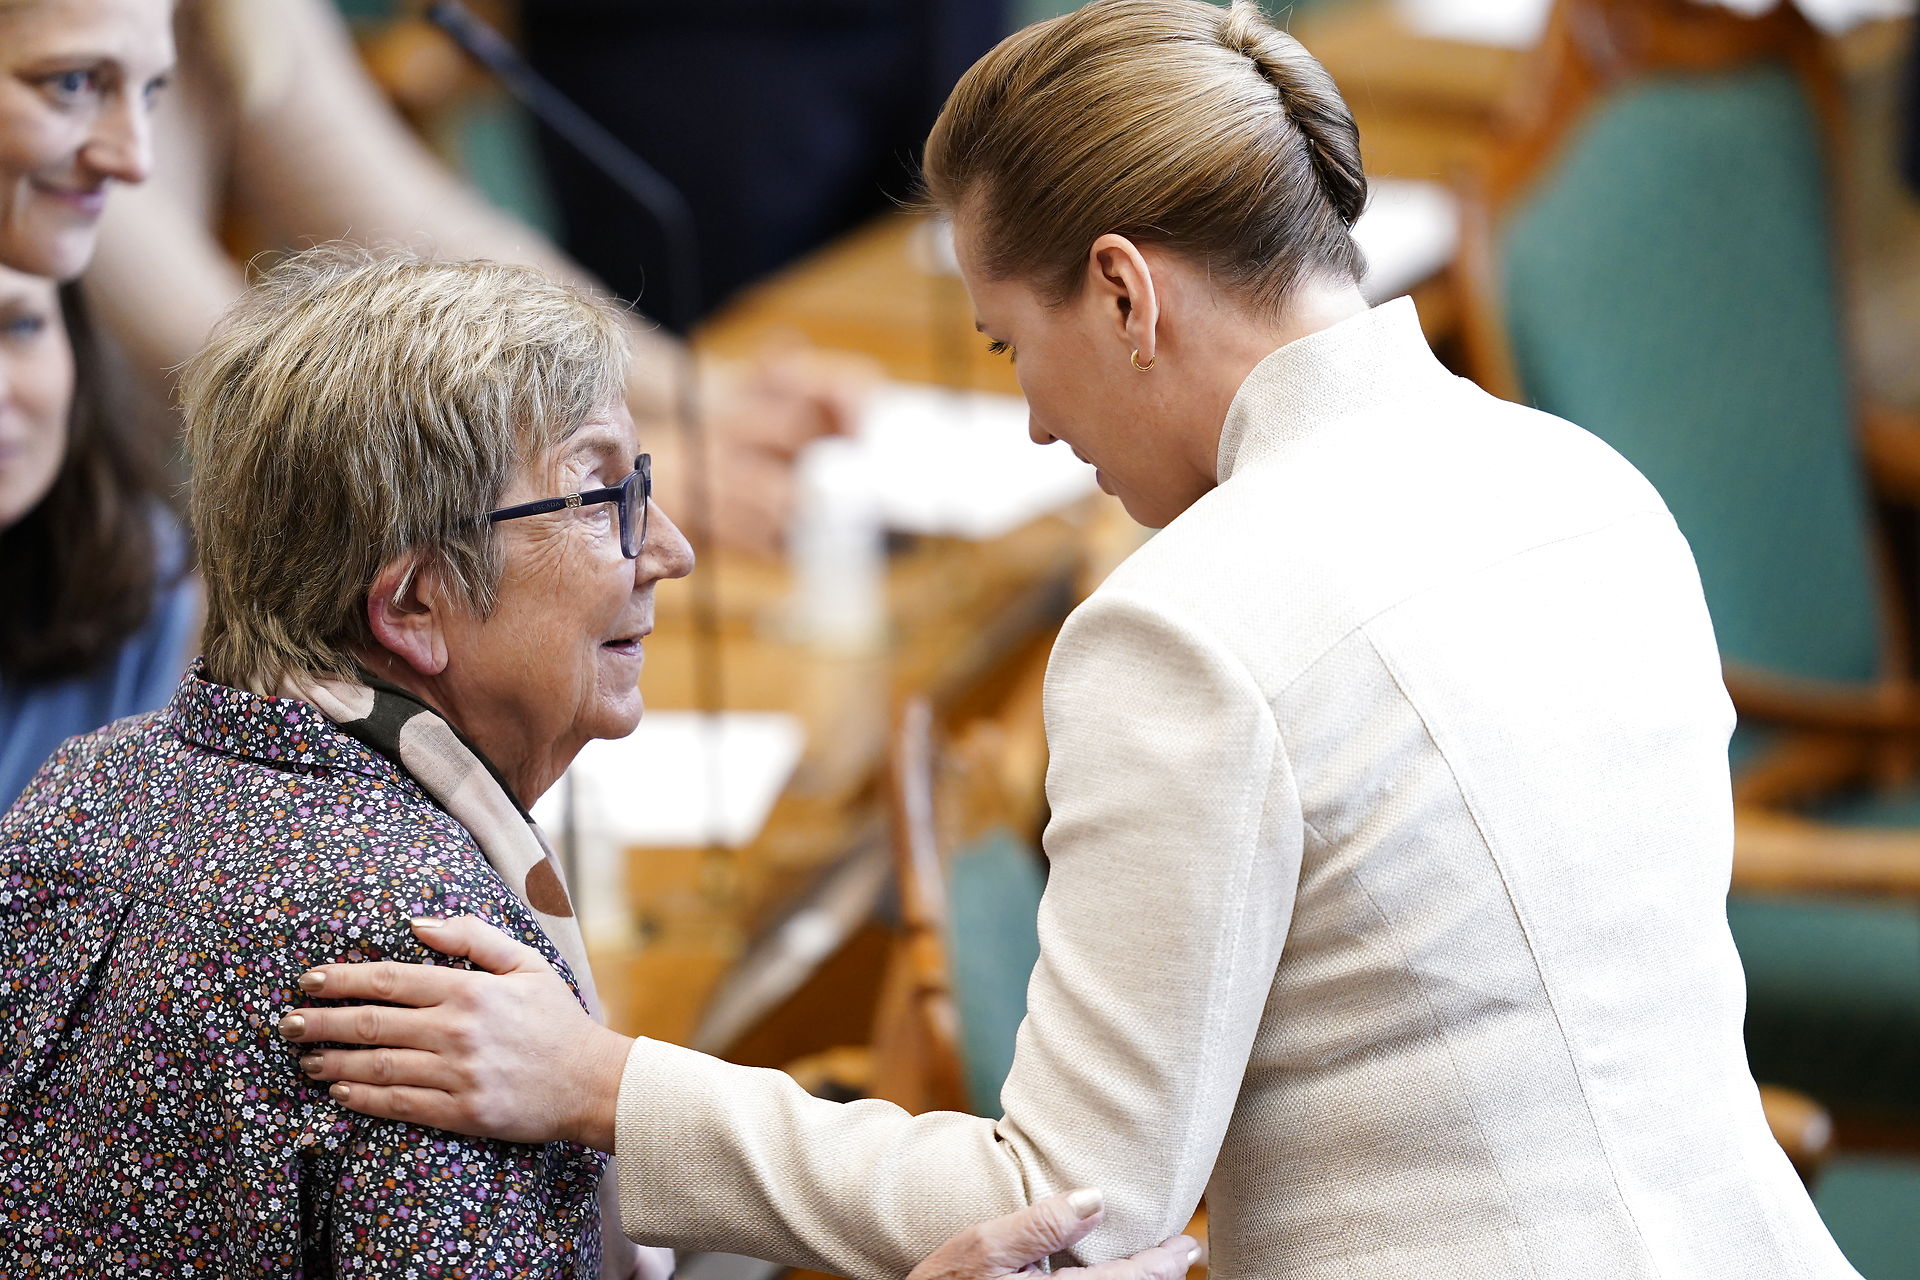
36	718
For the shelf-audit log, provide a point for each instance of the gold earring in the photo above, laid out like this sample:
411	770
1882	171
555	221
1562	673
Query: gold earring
1143	368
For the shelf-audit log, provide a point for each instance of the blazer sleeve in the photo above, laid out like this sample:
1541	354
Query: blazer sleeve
1175	847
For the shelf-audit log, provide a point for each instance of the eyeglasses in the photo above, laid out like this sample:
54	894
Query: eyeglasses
633	498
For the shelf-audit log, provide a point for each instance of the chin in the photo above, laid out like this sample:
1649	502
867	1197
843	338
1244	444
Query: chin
1144	513
55	253
617	717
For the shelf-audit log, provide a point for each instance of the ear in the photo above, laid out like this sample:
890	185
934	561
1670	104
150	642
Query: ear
1120	283
406	611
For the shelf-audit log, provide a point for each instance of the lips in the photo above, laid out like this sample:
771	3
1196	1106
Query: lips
628	646
87	202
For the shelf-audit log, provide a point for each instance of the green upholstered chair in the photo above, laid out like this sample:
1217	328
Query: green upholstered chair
993	940
969	890
1872	1206
1650	254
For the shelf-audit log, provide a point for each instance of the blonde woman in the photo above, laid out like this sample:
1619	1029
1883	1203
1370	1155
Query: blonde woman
1390	815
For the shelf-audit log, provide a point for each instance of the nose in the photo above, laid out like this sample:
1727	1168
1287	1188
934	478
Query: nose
1037	433
120	145
667	553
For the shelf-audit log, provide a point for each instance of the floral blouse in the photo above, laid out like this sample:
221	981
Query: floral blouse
163	882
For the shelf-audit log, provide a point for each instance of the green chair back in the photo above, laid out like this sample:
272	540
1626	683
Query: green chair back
1872	1206
1833	997
993	904
1669	286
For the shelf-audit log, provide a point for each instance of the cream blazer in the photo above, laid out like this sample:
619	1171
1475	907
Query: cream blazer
1389	854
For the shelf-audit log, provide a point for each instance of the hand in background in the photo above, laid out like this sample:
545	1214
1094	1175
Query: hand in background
1018	1245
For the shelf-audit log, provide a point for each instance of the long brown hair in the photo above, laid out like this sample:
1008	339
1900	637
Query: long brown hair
78	573
1172	122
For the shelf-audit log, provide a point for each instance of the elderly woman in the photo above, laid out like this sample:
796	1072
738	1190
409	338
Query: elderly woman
388	676
430	559
1390	826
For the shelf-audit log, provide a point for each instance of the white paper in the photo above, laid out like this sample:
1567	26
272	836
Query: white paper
1837	16
1506	24
1519	24
681	780
1408	233
960	463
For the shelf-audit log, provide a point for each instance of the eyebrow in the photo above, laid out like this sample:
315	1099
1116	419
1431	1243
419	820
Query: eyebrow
594	442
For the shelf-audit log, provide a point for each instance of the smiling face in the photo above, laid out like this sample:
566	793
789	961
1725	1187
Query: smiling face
1144	434
36	392
557	660
78	80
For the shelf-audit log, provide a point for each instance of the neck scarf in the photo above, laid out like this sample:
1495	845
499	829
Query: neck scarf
465	784
461	781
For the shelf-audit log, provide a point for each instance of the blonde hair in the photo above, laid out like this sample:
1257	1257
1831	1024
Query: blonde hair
1172	122
356	407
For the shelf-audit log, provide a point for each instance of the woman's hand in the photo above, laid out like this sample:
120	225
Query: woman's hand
503	1053
1019	1243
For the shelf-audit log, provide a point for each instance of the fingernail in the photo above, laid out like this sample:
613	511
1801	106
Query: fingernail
311	1064
1085	1202
292	1026
425	922
311	981
339	1093
1194	1257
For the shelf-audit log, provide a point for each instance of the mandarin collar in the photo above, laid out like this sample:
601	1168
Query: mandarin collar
283	731
1346	370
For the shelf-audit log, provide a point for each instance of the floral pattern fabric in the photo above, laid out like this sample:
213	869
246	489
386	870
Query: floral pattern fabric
163	882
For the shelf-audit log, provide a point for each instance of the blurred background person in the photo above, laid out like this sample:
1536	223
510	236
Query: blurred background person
78	82
96	611
99	614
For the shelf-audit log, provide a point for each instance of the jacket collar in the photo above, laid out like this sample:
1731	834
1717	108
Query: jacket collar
1350	369
281	731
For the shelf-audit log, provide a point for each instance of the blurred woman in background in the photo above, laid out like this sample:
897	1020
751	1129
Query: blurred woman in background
79	80
98	612
98	609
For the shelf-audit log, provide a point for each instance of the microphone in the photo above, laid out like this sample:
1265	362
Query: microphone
643	184
663	202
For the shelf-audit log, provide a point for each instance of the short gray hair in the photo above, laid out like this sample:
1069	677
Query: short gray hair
357	406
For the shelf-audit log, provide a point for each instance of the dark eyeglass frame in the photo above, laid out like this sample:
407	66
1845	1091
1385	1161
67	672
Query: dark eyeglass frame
631	540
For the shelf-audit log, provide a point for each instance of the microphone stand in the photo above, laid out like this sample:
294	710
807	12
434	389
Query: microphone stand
663	202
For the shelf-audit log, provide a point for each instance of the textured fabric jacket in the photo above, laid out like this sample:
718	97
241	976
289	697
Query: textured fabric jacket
1390	844
166	880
